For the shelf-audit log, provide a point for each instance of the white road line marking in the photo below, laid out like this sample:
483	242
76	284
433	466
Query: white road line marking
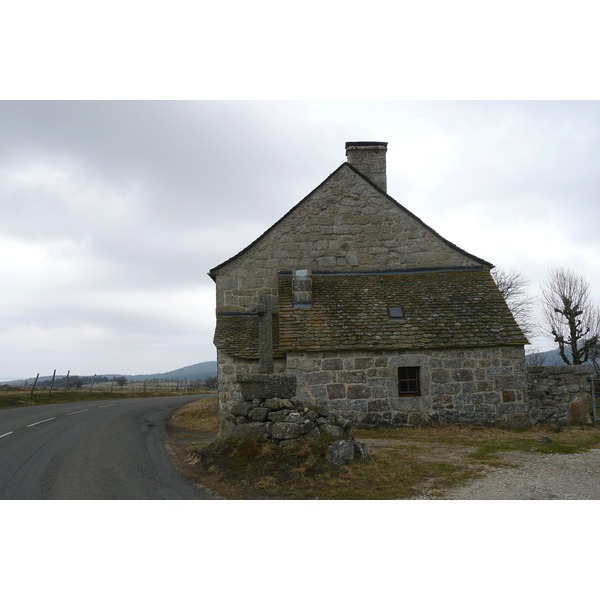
44	421
78	411
5	434
104	405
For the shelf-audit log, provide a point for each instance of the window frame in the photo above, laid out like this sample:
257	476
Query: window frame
409	375
402	316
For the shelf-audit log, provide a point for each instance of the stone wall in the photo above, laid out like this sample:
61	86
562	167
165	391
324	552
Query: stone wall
228	371
369	159
559	394
268	409
487	386
281	420
457	386
344	225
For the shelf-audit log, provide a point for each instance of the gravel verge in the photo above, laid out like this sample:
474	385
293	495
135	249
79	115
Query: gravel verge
537	477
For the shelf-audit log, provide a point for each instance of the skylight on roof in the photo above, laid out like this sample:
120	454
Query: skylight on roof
395	312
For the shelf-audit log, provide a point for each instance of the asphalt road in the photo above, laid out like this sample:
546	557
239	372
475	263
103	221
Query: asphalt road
98	450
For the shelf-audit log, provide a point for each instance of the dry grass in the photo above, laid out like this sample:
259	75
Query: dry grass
201	415
404	463
14	399
257	469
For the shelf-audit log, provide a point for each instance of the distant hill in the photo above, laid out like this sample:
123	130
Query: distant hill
548	358
202	370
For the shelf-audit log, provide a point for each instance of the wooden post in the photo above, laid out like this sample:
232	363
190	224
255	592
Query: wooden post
93	381
112	383
144	386
186	385
67	380
33	386
52	384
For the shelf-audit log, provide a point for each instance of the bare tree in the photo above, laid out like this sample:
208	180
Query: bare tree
514	287
570	317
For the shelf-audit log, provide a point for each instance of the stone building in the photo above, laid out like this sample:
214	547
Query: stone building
374	314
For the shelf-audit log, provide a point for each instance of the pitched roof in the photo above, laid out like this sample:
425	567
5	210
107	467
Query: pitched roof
443	309
214	271
237	334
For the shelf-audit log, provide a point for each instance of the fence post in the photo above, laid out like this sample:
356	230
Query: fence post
52	384
93	381
67	380
34	383
186	386
112	383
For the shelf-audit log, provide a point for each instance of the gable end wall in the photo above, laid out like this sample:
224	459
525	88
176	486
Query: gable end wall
344	225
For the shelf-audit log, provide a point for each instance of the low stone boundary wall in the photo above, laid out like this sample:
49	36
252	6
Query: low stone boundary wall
281	420
268	409
559	394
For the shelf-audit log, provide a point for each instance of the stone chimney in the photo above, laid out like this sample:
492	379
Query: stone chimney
369	159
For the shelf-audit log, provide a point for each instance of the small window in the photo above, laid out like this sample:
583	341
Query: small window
409	382
395	312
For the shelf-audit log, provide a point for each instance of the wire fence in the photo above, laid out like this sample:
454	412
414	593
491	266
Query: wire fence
114	383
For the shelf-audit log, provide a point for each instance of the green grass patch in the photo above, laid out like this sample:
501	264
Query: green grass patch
544	444
546	439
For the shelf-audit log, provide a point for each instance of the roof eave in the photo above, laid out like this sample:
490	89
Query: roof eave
443	239
215	270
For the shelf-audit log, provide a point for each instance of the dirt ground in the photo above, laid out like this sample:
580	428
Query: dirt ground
530	476
537	477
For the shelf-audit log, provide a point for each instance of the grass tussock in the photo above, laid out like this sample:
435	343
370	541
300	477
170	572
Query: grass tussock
403	463
201	415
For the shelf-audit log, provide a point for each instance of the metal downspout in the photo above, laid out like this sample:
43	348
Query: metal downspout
593	384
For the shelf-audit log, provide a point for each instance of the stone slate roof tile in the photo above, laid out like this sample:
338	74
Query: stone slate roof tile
447	309
443	309
238	336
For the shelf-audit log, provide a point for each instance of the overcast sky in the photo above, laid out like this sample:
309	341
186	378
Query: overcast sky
114	212
111	214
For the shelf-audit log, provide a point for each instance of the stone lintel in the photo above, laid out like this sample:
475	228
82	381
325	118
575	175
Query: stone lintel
267	385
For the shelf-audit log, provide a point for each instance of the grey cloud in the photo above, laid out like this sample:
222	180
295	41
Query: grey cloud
126	198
